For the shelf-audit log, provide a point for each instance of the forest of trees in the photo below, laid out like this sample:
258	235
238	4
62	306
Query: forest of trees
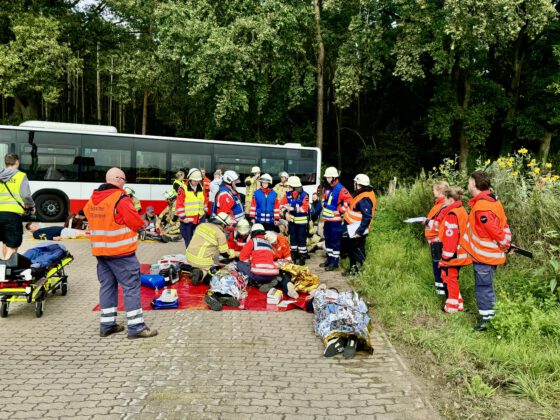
389	86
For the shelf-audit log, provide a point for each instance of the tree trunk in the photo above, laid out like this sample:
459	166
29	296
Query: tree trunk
134	117
83	101
110	111
545	146
463	139
98	87
338	116
26	108
320	66
145	112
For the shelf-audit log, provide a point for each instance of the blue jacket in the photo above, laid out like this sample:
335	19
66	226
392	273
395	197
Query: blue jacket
315	210
264	211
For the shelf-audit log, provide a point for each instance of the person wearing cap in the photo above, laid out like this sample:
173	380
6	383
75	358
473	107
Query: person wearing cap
357	223
295	208
280	246
151	230
256	260
208	242
281	187
227	198
190	205
137	205
264	206
335	202
238	238
252	184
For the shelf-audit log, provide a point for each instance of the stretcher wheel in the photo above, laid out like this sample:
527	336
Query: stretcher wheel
4	309
39	307
64	288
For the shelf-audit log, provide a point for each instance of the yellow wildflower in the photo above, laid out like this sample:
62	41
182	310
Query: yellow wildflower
487	162
522	151
434	169
537	170
548	165
555	178
450	161
514	173
532	163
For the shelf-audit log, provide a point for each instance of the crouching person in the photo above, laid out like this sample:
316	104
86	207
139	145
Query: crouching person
239	237
257	261
280	246
452	229
208	242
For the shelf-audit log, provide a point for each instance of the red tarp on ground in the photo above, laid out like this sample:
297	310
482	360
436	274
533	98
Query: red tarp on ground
192	297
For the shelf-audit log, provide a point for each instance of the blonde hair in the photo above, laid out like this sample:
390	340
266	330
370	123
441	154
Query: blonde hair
441	186
456	193
179	174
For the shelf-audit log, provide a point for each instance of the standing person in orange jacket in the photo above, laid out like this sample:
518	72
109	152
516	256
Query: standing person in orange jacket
206	190
452	228
358	220
431	232
114	223
488	240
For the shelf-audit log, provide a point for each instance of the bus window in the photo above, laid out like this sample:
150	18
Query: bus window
272	167
236	158
96	162
303	163
151	161
184	162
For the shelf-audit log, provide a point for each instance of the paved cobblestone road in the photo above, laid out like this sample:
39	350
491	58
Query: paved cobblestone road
203	364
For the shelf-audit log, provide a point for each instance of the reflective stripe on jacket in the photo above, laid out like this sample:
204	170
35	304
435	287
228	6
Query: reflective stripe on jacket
352	216
108	238
299	218
431	230
194	203
486	250
258	252
7	202
450	231
208	240
266	206
235	210
332	205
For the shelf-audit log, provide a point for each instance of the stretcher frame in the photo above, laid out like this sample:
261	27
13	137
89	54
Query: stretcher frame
50	280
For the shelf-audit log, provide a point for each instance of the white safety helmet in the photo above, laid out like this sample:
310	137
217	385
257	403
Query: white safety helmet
331	172
257	229
283	174
266	178
255	170
362	179
129	191
224	218
195	175
271	236
294	182
243	227
230	177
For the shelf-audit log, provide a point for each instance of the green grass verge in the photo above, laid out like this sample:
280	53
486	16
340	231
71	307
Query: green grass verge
485	374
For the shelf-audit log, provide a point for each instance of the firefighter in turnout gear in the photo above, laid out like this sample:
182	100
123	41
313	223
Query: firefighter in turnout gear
358	220
281	187
431	232
452	228
295	208
252	184
114	223
488	239
227	198
190	205
336	200
264	207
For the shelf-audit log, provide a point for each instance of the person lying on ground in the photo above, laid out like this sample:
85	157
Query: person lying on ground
54	233
227	287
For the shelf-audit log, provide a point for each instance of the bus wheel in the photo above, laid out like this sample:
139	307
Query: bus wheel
50	208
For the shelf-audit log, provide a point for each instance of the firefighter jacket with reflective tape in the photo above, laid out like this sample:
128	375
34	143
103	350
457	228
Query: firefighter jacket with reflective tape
208	240
488	235
299	204
113	222
361	210
264	207
190	204
228	202
335	203
452	227
258	252
431	231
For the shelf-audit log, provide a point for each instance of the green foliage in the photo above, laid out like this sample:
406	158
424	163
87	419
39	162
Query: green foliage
477	388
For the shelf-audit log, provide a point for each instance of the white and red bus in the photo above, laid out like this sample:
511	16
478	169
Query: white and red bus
65	162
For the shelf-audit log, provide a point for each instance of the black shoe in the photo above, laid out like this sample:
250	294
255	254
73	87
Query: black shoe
229	301
330	267
324	264
113	330
483	326
352	271
146	333
301	261
214	303
334	346
264	288
350	349
196	276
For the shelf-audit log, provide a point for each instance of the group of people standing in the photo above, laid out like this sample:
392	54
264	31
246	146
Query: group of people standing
457	239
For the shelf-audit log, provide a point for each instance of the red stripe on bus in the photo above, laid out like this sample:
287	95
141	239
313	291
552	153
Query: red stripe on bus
158	205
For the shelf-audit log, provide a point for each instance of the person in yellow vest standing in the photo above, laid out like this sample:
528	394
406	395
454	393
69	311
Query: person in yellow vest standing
357	223
190	205
252	184
487	240
15	200
114	223
282	188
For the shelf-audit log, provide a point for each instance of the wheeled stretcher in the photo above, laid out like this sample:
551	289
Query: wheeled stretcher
32	276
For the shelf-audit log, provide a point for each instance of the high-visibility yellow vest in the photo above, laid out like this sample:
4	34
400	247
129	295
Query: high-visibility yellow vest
194	203
7	202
